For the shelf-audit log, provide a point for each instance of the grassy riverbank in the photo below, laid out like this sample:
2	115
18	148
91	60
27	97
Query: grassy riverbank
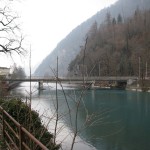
29	120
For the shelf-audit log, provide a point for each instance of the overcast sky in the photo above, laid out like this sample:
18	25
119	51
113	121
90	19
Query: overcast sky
46	22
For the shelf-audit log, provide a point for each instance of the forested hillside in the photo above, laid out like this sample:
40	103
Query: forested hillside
70	46
117	47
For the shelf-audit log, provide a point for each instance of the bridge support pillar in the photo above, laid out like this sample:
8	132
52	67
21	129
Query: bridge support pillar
130	81
93	83
40	85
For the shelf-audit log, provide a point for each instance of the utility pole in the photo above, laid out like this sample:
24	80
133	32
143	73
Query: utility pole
146	71
57	116
139	67
99	69
84	60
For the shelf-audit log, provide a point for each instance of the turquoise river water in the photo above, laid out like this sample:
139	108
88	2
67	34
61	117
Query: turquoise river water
103	119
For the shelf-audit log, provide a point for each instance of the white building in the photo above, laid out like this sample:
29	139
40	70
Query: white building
4	71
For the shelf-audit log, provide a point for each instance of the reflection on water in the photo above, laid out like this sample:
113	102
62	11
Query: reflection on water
115	119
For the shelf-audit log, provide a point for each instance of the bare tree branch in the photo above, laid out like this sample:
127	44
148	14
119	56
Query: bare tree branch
11	39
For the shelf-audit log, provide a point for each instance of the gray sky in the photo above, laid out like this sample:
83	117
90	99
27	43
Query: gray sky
46	22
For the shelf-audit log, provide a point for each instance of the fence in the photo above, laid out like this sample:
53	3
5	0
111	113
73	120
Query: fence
17	137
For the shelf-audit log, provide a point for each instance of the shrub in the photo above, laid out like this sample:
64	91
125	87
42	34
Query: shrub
29	120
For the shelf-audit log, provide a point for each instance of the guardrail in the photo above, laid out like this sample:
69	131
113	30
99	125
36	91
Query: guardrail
17	137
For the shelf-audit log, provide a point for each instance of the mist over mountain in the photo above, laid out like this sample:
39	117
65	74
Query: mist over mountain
70	46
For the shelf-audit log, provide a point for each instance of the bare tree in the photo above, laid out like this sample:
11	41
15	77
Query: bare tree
10	36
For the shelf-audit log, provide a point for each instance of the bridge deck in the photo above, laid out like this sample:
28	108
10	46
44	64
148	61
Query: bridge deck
68	79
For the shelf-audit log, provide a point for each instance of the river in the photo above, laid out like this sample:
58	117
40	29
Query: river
106	119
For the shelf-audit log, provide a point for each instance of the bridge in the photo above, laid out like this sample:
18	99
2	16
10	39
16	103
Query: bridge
76	80
66	79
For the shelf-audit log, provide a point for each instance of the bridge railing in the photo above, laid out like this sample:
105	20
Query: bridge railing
15	136
75	78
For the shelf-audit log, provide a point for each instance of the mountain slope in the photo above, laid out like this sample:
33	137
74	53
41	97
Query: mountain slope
116	47
69	47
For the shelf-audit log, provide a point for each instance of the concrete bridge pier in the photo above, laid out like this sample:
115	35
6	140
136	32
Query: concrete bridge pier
92	84
40	85
130	81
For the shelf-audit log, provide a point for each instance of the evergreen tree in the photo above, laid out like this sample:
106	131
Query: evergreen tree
119	18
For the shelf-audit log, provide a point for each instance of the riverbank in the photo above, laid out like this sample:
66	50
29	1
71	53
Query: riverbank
28	119
140	86
13	85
